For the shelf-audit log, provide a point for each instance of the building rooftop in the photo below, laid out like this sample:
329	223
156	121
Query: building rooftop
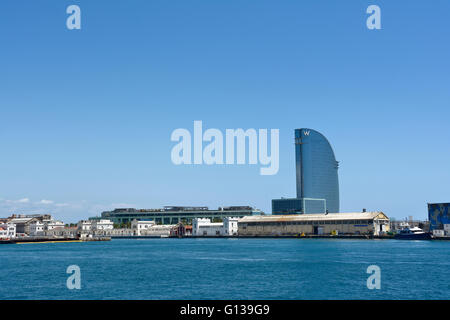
181	209
211	224
321	216
20	220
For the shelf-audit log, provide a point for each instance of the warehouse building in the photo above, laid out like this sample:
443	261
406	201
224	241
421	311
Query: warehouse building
358	223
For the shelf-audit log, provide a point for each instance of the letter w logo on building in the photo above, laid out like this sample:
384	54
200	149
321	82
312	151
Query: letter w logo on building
306	133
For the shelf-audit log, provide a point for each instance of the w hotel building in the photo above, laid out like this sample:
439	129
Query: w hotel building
317	177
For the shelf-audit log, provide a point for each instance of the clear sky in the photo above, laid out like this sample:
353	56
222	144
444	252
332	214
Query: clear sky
86	115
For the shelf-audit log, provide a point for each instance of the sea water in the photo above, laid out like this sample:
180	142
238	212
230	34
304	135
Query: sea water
227	269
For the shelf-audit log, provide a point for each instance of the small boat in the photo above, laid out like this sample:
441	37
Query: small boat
415	233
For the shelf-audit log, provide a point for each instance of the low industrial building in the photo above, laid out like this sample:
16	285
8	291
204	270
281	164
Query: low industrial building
139	228
62	232
158	230
121	232
358	223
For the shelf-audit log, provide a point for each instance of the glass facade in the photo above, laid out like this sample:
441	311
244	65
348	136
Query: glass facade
314	205
316	176
173	215
316	168
287	206
298	206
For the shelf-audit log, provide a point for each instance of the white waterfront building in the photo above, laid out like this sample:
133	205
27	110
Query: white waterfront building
141	227
36	228
230	226
204	227
102	225
156	230
53	224
84	225
39	228
7	230
439	233
447	229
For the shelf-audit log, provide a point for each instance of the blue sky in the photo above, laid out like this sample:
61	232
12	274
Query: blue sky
86	115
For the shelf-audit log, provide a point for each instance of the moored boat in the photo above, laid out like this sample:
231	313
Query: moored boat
412	234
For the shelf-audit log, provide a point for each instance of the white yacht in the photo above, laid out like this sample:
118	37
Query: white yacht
414	233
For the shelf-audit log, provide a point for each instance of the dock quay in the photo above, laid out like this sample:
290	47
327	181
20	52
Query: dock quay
441	238
139	237
25	240
290	237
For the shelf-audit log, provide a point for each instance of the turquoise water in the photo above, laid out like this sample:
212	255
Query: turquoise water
227	269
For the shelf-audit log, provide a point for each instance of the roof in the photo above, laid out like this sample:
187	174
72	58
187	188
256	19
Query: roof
212	224
20	220
321	216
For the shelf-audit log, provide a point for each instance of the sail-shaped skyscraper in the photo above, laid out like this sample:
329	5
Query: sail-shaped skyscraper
317	176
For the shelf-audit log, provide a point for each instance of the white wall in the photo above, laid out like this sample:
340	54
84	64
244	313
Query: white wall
9	232
230	226
204	227
36	228
140	227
